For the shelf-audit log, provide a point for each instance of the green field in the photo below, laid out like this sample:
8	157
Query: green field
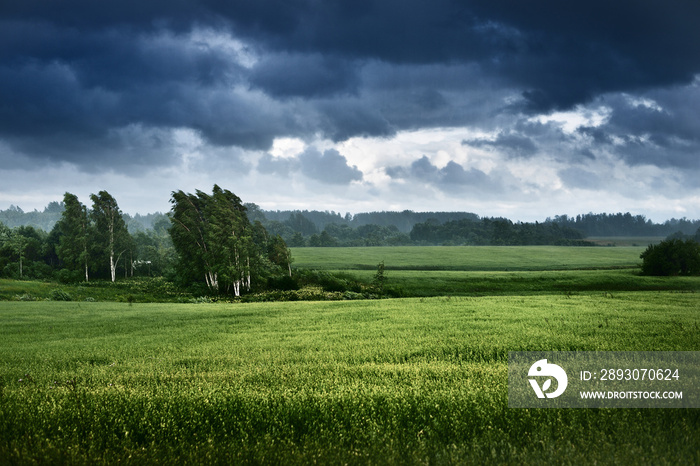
487	270
408	380
411	381
468	258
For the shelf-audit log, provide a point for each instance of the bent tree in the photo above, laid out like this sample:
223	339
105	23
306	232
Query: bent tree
213	238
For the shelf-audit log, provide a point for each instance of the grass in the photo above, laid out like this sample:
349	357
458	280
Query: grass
416	381
455	283
407	381
468	258
481	270
138	289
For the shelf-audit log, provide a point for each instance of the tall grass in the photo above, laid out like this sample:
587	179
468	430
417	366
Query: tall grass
417	381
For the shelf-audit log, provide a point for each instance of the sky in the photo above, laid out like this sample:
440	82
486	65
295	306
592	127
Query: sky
502	108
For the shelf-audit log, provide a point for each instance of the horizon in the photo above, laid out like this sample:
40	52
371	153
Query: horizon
343	214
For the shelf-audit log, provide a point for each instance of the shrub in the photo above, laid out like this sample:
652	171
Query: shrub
200	300
282	283
25	297
60	295
327	281
70	276
672	257
353	295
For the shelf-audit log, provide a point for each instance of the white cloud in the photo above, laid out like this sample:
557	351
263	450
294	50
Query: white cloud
581	116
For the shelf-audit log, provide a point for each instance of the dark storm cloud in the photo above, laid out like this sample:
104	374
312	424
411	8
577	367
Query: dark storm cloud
659	127
270	165
576	177
453	177
512	144
77	77
559	53
330	167
304	76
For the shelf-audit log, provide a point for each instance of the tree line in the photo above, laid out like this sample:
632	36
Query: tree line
324	229
369	228
221	245
625	225
206	241
299	231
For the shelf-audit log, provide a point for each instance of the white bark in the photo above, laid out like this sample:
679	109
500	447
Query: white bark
212	280
248	271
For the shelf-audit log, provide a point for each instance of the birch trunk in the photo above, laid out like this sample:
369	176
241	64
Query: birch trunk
248	271
112	265
212	280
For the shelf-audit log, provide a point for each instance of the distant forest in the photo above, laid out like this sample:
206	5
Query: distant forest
324	228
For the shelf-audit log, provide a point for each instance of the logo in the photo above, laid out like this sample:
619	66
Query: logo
542	368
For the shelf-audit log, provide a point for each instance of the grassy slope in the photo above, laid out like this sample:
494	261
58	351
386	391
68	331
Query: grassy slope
410	380
134	289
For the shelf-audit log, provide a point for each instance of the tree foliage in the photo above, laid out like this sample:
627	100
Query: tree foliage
111	239
672	257
23	251
216	243
495	231
73	229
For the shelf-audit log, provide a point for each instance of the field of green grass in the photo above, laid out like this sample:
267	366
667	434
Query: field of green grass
468	258
487	270
417	381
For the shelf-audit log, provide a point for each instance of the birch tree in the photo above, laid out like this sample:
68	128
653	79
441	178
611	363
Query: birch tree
191	239
19	243
229	230
215	240
111	235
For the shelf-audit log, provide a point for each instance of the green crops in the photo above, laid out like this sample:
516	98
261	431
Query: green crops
416	381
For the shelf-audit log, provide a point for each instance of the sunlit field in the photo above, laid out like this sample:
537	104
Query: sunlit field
405	380
412	380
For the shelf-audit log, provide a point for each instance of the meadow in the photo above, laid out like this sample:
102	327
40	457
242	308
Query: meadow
468	258
487	270
410	381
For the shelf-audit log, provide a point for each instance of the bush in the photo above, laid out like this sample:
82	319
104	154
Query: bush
328	281
26	297
70	276
672	257
60	295
200	300
282	283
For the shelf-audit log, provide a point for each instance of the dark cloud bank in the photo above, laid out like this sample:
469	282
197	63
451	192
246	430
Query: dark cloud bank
328	167
101	84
